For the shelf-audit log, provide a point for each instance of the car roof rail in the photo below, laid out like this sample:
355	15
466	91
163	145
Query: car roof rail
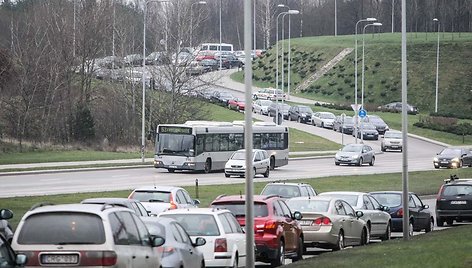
271	196
220	196
280	181
41	204
107	206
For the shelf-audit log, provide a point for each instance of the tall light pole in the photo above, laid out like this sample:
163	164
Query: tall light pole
437	68
191	19
219	48
393	16
290	12
277	59
363	67
289	57
254	28
335	19
356	110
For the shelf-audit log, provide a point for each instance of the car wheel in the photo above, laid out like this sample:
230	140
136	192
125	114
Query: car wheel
207	167
436	167
255	173
299	255
336	163
272	163
450	222
439	221
227	175
340	242
171	170
238	108
299	120
280	258
430	227
410	229
360	162
382	149
261	112
322	125
266	174
388	233
202	265
236	261
364	237
372	161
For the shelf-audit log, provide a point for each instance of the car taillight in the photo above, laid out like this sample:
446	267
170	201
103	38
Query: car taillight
322	221
221	245
400	212
98	258
165	251
173	205
270	227
440	192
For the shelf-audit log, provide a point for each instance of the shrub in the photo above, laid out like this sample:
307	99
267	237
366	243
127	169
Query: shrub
370	86
383	81
347	80
383	94
377	64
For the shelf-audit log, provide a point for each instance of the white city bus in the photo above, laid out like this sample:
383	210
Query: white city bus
207	146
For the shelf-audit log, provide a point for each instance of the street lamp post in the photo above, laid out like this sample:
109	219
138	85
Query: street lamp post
393	15
219	48
437	68
335	19
356	110
290	12
277	58
191	19
363	67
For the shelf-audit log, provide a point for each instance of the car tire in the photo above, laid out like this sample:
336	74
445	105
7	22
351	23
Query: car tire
410	229
280	257
238	108
255	173
322	125
372	161
430	227
266	174
360	162
439	221
236	261
171	170
336	163
272	163
388	233
227	175
450	222
300	250
382	149
340	241
299	119
364	237
207	167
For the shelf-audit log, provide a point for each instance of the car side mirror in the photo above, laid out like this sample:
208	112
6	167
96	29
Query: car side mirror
359	214
6	214
196	202
384	208
21	259
425	206
297	215
157	241
200	241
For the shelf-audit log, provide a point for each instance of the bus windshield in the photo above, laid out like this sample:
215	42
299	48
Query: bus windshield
175	144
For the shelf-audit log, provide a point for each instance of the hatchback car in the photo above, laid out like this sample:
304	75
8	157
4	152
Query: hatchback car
277	233
85	235
392	140
329	222
300	113
345	126
453	158
261	106
288	189
132	204
236	165
397	107
355	154
5	228
323	119
375	215
454	201
160	198
225	240
178	250
367	131
421	217
378	122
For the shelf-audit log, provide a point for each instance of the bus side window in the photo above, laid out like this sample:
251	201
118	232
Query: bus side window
257	140
200	142
208	143
224	142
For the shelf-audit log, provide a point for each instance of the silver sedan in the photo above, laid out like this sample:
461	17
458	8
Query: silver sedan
355	154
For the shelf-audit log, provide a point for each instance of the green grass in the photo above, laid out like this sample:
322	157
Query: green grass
423	183
304	141
446	248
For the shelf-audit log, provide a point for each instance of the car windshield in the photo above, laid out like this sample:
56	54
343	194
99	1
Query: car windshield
393	135
352	148
266	103
239	209
327	116
350	198
457	190
283	190
196	224
305	109
175	144
451	151
369	126
388	199
308	205
151	196
69	228
239	155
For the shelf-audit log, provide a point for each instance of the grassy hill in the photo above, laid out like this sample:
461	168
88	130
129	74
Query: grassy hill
383	69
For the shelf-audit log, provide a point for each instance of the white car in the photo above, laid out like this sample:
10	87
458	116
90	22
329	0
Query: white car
261	106
378	220
236	164
323	119
161	198
392	140
225	240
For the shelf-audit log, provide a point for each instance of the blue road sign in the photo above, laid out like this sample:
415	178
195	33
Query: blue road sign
362	113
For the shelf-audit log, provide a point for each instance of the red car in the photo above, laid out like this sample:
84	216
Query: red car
277	233
236	104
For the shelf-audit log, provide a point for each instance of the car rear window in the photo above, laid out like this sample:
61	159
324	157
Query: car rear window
388	199
308	205
239	209
351	199
62	228
196	224
151	196
286	191
454	190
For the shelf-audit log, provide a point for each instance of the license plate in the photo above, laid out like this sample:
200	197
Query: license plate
173	166
59	259
306	223
458	202
444	162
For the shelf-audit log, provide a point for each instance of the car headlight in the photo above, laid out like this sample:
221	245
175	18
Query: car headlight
387	128
455	159
355	156
435	159
337	156
303	115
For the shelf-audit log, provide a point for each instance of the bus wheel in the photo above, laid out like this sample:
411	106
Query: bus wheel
171	170
208	165
272	163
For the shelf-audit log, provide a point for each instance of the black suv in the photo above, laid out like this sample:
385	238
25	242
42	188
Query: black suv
454	201
300	113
